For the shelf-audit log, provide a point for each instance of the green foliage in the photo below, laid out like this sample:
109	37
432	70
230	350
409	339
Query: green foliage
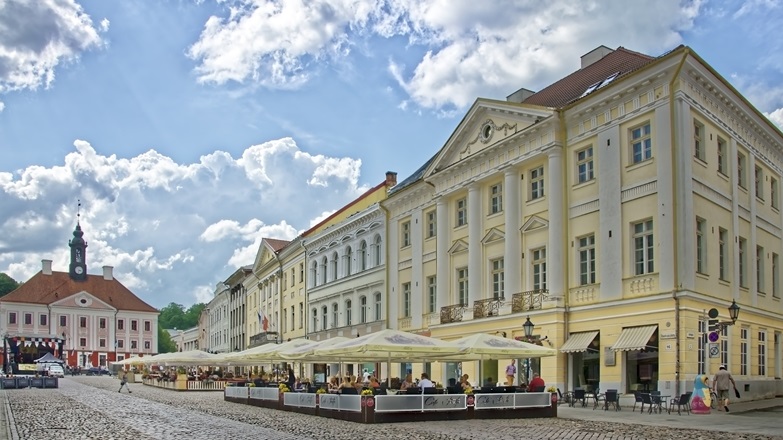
165	344
7	284
176	316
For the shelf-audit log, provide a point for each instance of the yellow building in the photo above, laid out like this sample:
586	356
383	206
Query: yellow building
613	209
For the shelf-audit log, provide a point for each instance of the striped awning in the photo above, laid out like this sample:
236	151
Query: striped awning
578	342
634	338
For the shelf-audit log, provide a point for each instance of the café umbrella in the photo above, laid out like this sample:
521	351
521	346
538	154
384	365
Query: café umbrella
485	347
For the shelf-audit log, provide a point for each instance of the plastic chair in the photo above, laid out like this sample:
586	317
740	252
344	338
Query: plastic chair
682	402
579	396
637	398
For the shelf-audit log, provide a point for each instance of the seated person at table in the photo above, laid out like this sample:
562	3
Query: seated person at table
535	383
333	385
374	382
408	382
425	381
298	386
346	383
464	382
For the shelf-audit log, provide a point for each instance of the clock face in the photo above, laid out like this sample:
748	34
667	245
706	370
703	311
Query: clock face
78	270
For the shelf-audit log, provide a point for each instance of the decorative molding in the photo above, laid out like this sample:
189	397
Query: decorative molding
458	246
494	234
712	194
638	191
582	295
583	208
489	122
533	223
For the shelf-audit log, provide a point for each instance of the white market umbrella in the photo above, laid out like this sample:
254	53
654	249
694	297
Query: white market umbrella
133	360
191	358
306	353
388	345
266	352
483	346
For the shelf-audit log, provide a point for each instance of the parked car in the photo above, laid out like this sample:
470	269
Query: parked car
97	371
55	370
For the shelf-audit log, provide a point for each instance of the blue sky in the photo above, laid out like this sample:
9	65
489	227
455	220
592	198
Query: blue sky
192	129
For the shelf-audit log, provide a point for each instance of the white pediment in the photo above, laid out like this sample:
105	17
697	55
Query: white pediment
82	299
533	223
458	246
494	234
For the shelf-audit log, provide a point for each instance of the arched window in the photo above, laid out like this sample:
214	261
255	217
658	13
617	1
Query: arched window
378	306
348	257
314	274
348	320
377	251
323	270
363	255
363	310
334	266
335	315
324	313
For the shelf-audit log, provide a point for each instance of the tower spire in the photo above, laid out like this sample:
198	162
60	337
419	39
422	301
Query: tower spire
78	267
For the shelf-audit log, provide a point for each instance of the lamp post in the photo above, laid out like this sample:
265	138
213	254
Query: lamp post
62	347
528	327
734	310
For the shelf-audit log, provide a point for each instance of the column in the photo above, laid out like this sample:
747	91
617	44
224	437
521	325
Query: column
442	249
555	260
475	251
513	247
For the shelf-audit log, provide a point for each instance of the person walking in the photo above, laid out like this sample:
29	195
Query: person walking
511	371
124	382
720	384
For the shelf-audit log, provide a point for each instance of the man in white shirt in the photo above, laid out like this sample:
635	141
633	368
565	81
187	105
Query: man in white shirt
366	376
425	381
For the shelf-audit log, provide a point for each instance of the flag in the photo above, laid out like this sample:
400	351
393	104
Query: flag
262	320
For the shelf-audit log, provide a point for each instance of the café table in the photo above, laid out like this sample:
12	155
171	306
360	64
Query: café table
659	402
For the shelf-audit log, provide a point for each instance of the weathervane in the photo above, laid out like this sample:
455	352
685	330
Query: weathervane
78	209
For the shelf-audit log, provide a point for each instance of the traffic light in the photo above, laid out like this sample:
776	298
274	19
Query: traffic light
713	325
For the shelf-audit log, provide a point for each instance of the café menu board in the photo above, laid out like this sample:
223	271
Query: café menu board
425	402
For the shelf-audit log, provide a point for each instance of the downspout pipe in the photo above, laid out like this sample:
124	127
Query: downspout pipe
675	217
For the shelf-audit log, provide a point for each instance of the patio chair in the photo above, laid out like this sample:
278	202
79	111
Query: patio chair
413	390
610	397
637	398
682	402
579	396
540	389
647	400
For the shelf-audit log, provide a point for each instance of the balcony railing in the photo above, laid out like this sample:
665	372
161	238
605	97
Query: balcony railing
483	308
530	300
262	338
452	313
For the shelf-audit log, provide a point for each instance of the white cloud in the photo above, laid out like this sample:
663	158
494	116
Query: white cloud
776	117
52	32
473	49
168	229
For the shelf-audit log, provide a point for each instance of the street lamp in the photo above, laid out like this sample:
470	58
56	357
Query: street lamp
734	310
528	326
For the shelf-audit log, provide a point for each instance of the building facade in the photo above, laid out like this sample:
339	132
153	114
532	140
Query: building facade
87	320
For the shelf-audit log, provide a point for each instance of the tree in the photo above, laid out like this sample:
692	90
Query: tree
7	284
165	344
175	316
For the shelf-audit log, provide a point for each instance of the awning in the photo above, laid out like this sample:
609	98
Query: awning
578	342
634	338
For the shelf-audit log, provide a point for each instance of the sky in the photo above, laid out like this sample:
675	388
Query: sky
191	129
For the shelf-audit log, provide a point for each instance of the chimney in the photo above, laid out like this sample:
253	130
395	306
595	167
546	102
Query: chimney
107	273
595	55
46	268
520	95
391	178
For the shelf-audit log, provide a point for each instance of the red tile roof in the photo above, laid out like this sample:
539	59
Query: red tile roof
47	289
276	244
574	85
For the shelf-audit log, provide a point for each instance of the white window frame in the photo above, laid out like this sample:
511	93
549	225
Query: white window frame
761	350
405	228
539	268
537	183
774	194
496	199
432	293
335	315
432	223
643	247
760	272
640	143
743	262
775	275
586	255
462	286
699	144
701	245
744	351
584	165
498	278
758	176
723	154
348	312
378	306
741	171
462	212
723	254
406	300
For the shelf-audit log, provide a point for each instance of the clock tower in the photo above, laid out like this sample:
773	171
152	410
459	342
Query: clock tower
78	267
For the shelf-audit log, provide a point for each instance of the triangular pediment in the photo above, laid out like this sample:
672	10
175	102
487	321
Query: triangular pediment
82	299
487	123
494	234
533	223
458	246
265	254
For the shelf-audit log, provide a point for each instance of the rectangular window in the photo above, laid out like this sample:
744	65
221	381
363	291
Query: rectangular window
134	325
498	278
378	306
762	349
431	224
293	277
301	315
758	175
12	317
760	285
537	183
63	320
406	300
102	323
539	269
643	248
724	345
42	320
723	254
587	260
701	245
462	212
641	143
700	350
348	314
432	294
28	319
462	286
147	345
723	166
301	272
147	326
120	343
120	324
698	140
496	198
584	165
83	322
775	275
744	353
773	193
293	317
315	319
134	344
741	172
335	315
82	342
102	342
743	262
406	234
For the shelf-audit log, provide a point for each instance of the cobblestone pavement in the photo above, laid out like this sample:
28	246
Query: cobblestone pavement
91	408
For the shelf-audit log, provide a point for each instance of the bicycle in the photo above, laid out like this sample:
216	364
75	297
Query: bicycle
713	400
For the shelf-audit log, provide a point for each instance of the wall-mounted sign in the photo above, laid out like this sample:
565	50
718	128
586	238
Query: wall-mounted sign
668	335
